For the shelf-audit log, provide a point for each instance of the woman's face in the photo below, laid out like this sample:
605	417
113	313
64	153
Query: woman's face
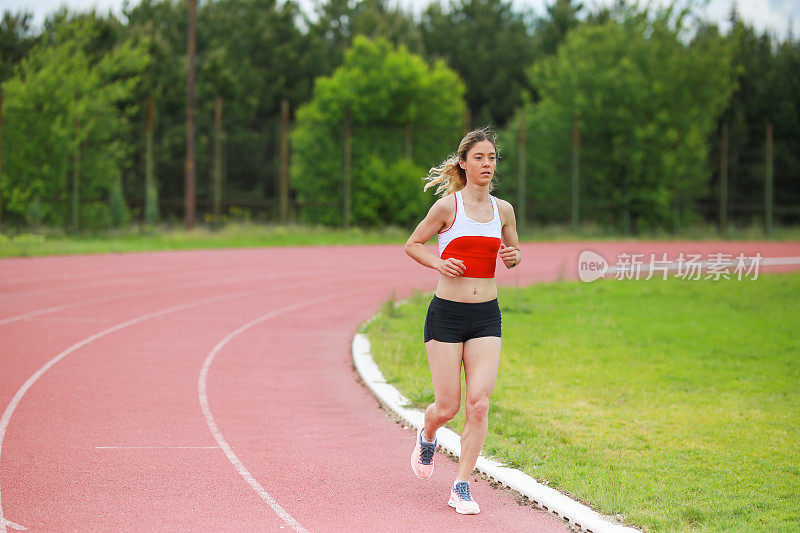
480	162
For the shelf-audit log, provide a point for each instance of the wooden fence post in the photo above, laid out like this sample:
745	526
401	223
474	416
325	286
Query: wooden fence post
76	176
723	181
1	157
768	195
283	174
189	176
150	187
218	133
522	159
576	172
348	168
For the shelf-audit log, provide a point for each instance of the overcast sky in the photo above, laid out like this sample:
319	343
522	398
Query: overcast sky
775	16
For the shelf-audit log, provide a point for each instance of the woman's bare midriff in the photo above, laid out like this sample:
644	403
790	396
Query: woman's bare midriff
467	290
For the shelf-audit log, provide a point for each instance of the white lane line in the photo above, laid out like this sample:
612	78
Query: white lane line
12	525
12	406
104	299
203	397
124	274
156	447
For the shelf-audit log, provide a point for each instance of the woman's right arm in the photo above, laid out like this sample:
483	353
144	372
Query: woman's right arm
438	215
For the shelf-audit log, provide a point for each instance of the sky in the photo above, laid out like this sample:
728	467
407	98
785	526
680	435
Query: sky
775	16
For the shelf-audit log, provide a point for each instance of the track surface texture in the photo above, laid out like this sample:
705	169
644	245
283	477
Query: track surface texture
214	390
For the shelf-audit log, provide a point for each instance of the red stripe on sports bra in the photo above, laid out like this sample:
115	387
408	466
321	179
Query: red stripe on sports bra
478	253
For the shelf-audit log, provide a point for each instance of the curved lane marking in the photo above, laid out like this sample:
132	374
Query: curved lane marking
223	444
12	525
105	299
191	285
12	406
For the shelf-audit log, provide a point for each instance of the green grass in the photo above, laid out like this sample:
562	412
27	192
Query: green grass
675	404
250	234
243	235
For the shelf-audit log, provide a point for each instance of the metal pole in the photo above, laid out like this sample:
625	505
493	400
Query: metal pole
348	167
522	158
768	195
189	181
284	161
576	154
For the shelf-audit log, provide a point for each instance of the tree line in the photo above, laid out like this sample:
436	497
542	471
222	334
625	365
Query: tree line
618	115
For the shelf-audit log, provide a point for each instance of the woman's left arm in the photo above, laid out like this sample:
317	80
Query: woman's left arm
509	250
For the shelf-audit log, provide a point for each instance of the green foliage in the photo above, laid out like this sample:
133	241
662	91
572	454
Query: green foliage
765	92
400	107
340	21
643	94
562	16
646	104
160	27
65	107
96	216
116	203
489	45
16	39
34	214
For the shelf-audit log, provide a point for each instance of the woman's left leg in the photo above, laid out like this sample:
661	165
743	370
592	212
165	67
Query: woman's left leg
481	359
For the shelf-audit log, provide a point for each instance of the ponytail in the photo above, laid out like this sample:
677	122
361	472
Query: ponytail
448	177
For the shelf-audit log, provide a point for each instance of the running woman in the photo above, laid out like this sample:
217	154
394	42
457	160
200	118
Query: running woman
462	326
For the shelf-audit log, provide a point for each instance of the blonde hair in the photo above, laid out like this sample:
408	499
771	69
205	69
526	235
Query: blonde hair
448	177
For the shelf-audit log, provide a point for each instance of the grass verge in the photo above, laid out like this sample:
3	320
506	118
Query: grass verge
249	235
671	403
244	235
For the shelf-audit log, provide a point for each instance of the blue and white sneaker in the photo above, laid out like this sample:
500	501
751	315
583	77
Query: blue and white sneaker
422	457
461	500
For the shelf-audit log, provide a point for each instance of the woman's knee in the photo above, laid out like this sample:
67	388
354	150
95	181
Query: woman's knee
477	408
448	409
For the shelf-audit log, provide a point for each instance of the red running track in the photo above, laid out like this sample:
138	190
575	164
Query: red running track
215	390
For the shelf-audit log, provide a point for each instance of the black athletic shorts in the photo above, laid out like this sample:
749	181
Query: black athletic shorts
449	321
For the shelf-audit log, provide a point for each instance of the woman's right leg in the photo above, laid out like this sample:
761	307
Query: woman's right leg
444	360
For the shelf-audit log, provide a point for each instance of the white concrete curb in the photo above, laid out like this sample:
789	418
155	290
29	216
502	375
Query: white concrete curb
550	499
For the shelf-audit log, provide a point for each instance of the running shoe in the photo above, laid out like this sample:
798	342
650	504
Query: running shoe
422	457
461	500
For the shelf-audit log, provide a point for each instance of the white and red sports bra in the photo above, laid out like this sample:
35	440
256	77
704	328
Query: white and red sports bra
475	243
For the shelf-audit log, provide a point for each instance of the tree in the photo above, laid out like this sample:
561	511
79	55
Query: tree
765	88
489	45
159	27
66	112
404	113
562	16
785	115
646	104
16	39
254	55
338	22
